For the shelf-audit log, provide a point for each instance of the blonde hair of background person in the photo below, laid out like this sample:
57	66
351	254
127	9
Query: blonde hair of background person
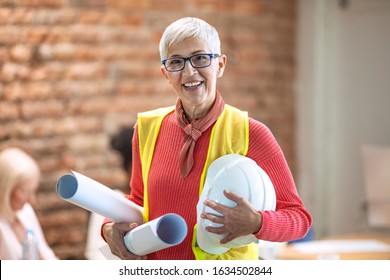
19	180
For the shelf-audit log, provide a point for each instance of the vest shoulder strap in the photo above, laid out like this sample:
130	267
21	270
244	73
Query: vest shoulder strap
230	135
149	124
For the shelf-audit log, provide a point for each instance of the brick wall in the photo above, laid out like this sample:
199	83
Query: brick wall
72	72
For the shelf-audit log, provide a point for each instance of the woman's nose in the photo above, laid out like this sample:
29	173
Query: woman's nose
188	68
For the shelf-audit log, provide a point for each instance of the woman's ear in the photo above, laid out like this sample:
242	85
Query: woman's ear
164	72
222	59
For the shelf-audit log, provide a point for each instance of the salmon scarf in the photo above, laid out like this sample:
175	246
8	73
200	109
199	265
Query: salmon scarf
193	130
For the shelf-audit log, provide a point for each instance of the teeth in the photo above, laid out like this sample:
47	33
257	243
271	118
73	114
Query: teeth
193	84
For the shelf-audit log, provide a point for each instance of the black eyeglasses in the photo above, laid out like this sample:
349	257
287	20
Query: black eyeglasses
175	64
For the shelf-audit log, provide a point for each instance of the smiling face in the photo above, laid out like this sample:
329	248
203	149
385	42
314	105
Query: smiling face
195	87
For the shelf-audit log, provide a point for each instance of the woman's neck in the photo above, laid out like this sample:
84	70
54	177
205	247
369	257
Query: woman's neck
196	112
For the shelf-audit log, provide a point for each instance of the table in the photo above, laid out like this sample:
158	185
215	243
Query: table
312	249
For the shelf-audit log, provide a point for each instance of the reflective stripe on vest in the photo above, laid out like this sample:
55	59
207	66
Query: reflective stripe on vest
229	135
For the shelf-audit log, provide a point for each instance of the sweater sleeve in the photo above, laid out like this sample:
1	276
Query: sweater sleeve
290	220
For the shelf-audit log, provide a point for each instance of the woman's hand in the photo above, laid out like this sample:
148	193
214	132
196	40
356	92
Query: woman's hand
237	221
114	233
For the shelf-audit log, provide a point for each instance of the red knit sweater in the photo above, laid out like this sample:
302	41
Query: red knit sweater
169	193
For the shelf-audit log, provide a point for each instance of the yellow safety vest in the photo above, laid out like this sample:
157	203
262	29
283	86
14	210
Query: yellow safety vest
229	135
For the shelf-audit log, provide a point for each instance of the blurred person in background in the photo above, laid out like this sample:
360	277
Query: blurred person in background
121	143
173	147
19	181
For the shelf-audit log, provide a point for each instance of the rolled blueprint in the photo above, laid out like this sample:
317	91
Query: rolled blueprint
95	197
163	232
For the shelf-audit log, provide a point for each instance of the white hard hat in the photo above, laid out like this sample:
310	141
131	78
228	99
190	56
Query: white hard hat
242	176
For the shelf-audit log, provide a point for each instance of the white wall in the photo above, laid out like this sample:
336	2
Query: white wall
343	100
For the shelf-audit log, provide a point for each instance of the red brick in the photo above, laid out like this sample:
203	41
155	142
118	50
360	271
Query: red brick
61	51
12	91
87	3
8	111
12	71
32	110
128	4
39	91
41	3
51	71
238	7
5	15
116	18
67	252
96	106
48	201
85	71
35	34
90	17
72	214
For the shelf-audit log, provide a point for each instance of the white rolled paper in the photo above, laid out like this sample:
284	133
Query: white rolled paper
163	232
95	197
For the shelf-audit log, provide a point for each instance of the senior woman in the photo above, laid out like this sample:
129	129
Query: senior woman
172	148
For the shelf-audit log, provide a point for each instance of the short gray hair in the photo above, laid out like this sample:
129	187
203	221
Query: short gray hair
186	28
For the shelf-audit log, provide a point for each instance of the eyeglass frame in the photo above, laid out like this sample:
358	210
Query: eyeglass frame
210	55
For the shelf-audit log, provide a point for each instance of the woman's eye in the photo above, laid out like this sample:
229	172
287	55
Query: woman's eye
174	61
200	57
